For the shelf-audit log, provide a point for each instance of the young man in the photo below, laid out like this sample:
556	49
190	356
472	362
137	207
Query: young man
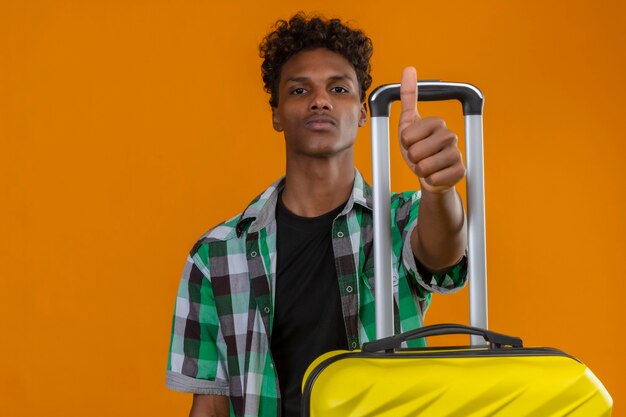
290	278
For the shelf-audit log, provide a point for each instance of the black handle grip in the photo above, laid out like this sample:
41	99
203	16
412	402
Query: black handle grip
470	96
496	340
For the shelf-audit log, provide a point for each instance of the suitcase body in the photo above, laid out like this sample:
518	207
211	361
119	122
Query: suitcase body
496	375
460	382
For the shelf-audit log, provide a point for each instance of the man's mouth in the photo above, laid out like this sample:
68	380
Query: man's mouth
320	122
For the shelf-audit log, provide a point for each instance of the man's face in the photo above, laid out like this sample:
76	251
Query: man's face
319	107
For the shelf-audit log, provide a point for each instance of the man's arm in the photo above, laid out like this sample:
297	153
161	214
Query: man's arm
209	406
430	150
440	238
195	331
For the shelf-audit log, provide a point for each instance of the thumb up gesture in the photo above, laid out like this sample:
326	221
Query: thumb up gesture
427	145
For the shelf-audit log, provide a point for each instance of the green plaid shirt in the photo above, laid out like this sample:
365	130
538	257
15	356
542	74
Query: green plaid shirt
223	318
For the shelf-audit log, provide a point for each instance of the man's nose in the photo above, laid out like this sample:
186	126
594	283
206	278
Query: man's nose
321	101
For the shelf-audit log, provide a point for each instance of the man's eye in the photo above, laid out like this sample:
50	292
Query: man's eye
339	90
297	91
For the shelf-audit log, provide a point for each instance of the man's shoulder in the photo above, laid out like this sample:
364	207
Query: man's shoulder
404	197
220	233
237	226
223	231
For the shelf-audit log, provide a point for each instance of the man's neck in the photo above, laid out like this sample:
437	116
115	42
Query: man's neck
315	186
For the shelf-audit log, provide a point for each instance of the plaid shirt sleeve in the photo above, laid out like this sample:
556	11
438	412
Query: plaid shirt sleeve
449	281
195	363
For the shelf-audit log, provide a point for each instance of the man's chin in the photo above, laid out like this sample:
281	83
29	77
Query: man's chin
327	152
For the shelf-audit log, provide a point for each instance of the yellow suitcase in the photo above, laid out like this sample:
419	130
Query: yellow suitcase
496	376
502	379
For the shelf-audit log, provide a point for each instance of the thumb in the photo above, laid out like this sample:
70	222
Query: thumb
408	98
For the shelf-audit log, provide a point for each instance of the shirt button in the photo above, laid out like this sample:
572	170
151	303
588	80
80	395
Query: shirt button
348	289
253	254
267	310
339	234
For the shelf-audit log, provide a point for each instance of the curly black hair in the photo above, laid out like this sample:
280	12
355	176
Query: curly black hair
303	33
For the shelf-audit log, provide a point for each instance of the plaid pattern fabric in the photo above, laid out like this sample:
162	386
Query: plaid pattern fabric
222	324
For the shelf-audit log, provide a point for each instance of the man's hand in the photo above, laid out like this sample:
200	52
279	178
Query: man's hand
429	148
427	145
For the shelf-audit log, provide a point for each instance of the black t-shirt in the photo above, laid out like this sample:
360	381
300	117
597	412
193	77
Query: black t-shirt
307	315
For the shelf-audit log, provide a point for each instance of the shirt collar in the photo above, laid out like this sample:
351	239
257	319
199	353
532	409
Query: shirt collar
361	191
262	210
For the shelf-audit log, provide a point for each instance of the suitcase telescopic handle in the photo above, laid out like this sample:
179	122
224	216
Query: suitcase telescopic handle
496	340
471	97
472	101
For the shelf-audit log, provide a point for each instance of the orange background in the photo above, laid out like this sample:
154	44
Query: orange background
128	128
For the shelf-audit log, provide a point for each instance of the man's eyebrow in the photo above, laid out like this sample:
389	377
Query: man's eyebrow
342	77
298	79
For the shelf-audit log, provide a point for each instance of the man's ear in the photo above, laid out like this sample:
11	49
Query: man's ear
363	114
276	120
